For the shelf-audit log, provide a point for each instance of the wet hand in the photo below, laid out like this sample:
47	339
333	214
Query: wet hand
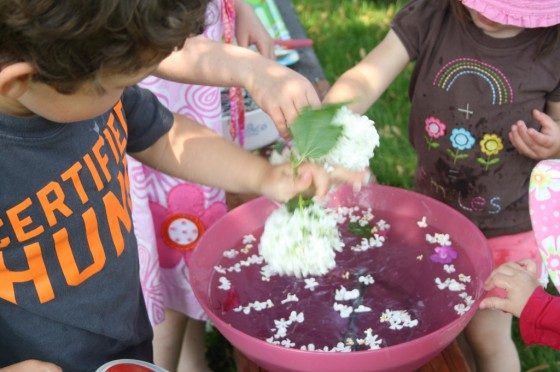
518	279
534	144
356	179
280	183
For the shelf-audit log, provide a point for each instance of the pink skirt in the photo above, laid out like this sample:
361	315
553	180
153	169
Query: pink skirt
170	215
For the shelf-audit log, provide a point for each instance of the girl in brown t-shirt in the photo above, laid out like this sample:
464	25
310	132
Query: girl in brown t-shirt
485	95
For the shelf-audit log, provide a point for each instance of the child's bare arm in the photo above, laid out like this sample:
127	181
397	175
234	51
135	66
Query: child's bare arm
194	153
519	280
364	83
278	90
543	144
32	365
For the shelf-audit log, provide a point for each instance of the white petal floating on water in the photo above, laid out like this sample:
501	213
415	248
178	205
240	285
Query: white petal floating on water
362	309
249	238
311	283
343	310
290	298
422	223
366	280
449	268
225	284
231	253
398	319
343	294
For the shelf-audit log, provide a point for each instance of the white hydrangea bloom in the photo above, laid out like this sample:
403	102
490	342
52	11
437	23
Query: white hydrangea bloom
302	243
356	144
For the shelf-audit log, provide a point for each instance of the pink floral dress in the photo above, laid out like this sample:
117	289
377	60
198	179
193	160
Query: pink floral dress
544	202
170	215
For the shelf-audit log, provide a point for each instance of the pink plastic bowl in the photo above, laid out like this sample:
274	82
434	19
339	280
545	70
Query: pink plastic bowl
402	357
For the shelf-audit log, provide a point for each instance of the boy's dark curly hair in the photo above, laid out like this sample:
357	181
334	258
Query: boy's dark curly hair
69	42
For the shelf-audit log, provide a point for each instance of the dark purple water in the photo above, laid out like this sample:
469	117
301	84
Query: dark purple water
402	282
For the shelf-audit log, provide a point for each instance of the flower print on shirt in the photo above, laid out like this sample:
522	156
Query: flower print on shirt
461	139
550	253
180	225
545	180
435	129
490	145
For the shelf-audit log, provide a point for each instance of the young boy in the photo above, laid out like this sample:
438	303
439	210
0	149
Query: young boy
69	110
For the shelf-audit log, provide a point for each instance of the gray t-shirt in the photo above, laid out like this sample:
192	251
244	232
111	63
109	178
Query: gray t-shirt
69	281
467	90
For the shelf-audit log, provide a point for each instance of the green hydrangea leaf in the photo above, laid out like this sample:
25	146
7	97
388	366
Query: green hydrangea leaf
314	133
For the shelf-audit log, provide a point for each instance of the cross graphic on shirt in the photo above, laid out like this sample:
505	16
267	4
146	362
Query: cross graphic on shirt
466	111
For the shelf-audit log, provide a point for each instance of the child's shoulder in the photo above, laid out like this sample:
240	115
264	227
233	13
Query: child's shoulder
419	19
423	10
422	15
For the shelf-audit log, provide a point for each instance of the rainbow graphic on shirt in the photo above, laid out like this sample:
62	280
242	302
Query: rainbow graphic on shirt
498	83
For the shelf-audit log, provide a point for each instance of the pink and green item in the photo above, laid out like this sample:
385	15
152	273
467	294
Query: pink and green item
544	201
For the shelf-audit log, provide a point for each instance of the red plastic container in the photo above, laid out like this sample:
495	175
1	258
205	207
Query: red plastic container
406	356
129	365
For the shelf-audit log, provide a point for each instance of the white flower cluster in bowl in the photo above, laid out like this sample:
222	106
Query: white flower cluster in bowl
301	243
304	242
354	148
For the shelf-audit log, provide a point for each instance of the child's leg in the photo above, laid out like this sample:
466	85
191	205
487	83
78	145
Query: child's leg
489	332
193	351
168	339
489	337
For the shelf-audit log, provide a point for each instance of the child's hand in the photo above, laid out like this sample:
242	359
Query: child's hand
534	144
280	183
249	30
32	365
356	179
281	93
519	280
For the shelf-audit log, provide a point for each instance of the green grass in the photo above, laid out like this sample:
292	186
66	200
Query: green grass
344	31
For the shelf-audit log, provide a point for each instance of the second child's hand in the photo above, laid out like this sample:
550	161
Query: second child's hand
518	279
249	30
281	92
538	145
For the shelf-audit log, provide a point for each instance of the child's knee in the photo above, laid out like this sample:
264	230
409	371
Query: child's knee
488	340
489	330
